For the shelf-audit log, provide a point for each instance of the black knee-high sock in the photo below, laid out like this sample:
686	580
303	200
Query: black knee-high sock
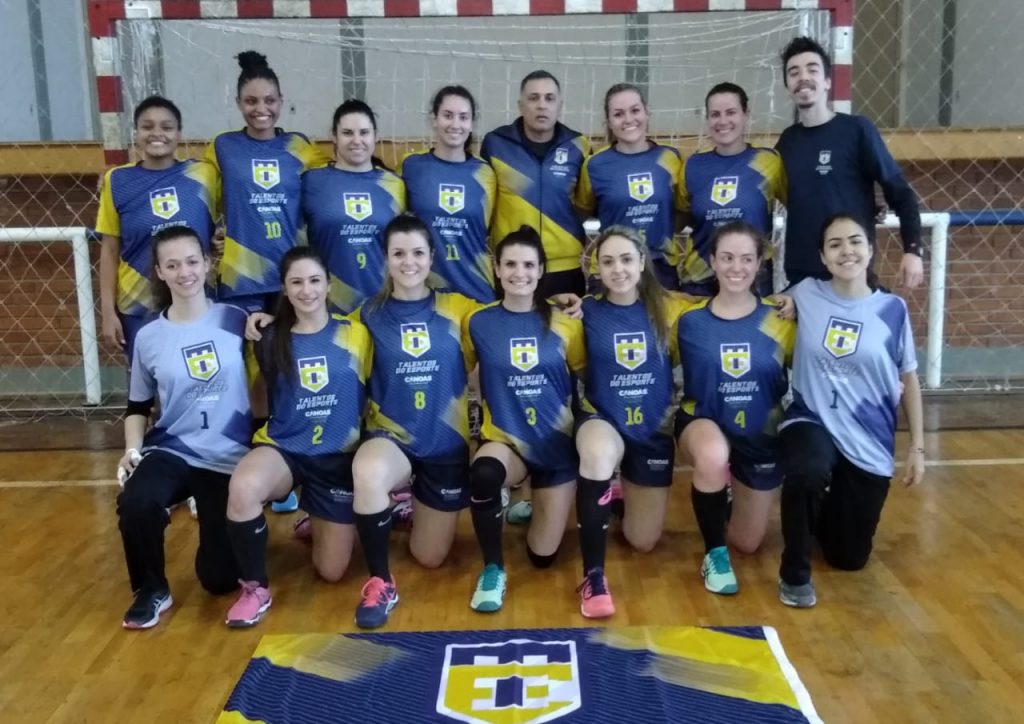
374	535
249	542
710	509
593	509
486	477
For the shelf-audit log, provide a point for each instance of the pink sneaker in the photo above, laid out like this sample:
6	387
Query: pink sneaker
595	599
250	608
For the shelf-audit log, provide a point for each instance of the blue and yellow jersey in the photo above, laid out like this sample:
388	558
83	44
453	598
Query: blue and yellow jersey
538	192
260	183
346	213
418	387
637	190
196	371
734	373
526	380
137	202
629	370
718	189
456	200
317	406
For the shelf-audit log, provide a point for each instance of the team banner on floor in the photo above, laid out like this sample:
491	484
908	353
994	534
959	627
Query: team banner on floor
635	674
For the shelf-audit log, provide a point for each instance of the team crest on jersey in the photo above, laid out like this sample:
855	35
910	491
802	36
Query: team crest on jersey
266	172
630	349
415	338
523	351
723	190
521	681
313	373
735	359
201	361
164	202
641	186
451	197
841	337
824	157
358	206
561	156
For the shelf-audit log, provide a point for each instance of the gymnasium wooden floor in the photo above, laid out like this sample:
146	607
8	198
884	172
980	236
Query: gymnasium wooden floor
932	630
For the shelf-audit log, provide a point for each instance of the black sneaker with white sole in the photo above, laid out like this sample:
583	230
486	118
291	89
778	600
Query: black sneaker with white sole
146	609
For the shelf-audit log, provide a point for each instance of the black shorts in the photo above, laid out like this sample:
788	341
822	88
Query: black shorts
441	483
650	463
547	476
326	482
762	473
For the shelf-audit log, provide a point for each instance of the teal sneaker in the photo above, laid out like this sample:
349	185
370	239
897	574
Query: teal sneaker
490	590
287	504
519	513
717	572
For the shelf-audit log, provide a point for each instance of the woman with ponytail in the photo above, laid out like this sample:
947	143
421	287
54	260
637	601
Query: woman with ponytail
347	204
189	361
854	360
453	191
628	401
259	171
418	426
529	354
316	365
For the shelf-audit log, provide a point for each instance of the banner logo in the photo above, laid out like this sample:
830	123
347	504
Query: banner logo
520	681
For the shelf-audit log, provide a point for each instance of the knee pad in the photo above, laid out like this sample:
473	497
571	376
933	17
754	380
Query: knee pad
538	560
486	477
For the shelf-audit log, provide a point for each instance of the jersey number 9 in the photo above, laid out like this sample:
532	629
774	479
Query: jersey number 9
361	260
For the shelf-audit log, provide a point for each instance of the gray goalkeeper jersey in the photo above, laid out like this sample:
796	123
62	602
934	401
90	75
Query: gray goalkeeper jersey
849	356
196	370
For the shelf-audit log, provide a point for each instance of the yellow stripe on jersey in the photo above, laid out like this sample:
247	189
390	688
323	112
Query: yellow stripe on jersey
676	305
783	332
561	246
108	221
488	181
571	332
308	153
355	338
241	263
378	421
457	308
208	177
132	288
342	295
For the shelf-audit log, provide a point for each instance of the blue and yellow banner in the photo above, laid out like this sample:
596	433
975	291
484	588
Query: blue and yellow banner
635	674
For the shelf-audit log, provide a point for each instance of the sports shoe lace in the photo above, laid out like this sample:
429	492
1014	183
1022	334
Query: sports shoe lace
593	584
719	559
373	591
490	577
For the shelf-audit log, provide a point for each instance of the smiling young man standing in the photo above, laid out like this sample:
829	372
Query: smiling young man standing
832	162
537	161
